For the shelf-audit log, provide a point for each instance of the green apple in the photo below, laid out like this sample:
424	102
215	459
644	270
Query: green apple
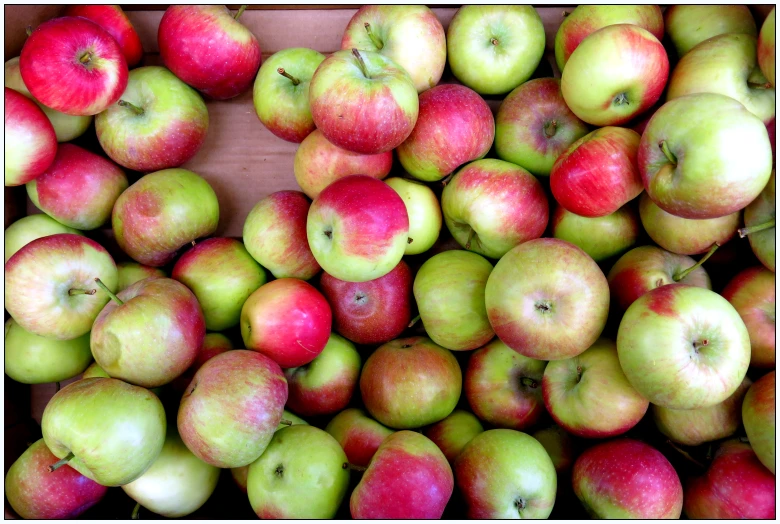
689	25
29	228
424	212
759	418
129	273
600	237
760	225
766	47
454	432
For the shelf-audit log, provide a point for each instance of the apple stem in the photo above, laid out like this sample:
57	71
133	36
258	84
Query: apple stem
134	108
28	30
414	321
565	14
469	239
285	74
745	231
685	454
54	467
550	128
136	511
529	382
352	467
375	39
192	243
682	274
362	64
667	152
240	12
286	422
74	291
446	180
110	293
755	85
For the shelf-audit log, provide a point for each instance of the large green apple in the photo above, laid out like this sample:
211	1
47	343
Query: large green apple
760	225
424	212
29	228
689	25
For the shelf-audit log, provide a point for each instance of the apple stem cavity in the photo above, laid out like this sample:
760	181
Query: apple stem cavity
620	100
550	128
667	152
109	292
361	63
682	274
469	239
136	511
529	382
745	231
240	12
134	108
353	467
375	39
286	422
64	460
285	74
72	292
685	454
414	321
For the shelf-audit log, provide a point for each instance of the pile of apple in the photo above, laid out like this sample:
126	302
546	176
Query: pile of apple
531	358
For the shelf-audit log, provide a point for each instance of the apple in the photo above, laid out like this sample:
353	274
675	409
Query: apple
208	48
494	48
404	459
455	126
79	188
50	286
94	371
372	312
597	174
80	51
559	446
683	347
213	344
600	237
299	459
752	293
162	212
505	474
712	177
547	317
758	416
160	122
30	228
128	273
115	22
423	210
449	289
31	144
34	492
627	479
491	206
534	126
454	432
760	225
410	382
766	47
689	25
287	320
281	92
503	387
363	101
358	434
358	228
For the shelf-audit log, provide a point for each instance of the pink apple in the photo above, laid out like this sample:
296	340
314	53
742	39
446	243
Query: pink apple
115	22
30	142
213	344
358	434
759	418
752	293
454	432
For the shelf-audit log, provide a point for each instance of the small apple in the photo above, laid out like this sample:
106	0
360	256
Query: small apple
766	47
30	145
358	434
30	228
559	445
760	225
689	25
758	416
454	432
423	210
600	237
752	293
128	273
115	22
94	371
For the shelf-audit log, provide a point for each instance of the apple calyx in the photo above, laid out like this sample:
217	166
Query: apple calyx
414	321
745	231
361	63
86	57
353	467
134	108
374	39
550	128
136	511
469	239
108	291
682	274
700	344
74	291
620	100
529	382
240	12
64	460
287	75
667	152
494	41
519	504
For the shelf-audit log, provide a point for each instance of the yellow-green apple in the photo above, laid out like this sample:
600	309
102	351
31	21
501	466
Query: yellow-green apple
503	474
449	289
455	126
358	434
559	446
491	206
363	101
281	92
372	312
503	387
50	285
766	47
758	416
627	479
597	174
32	359
454	432
177	483
287	320
404	459
534	126
160	122
30	142
410	382
275	235
547	317
600	237
128	273
79	188
358	228
760	225
94	371
213	344
34	492
106	429
589	395
615	74
299	459
115	22
494	48
150	333
735	486
586	19
80	51
410	35
752	293
683	347
208	48
688	161
423	210
689	25
30	228
162	212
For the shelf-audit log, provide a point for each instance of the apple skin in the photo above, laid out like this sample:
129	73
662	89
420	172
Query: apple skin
526	314
34	492
491	206
94	371
715	179
601	237
275	235
505	474
766	47
281	103
287	320
449	289
683	347
31	143
30	228
559	446
372	312
410	382
358	228
758	416
760	211
423	210
162	212
169	130
81	51
366	105
209	49
735	486
38	279
454	432
615	74
625	478
455	126
115	22
358	434
534	126
128	273
503	387
597	174
79	188
689	25
404	459
213	344
114	429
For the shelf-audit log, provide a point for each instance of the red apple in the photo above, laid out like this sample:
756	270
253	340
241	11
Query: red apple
30	141
359	435
758	416
454	432
115	22
752	293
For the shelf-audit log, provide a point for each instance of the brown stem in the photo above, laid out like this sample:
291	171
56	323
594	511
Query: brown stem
85	58
375	39
108	291
745	231
353	467
682	274
469	239
361	63
414	321
667	152
446	180
134	108
756	85
685	454
72	292
285	74
550	128
240	12
286	422
61	462
494	41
